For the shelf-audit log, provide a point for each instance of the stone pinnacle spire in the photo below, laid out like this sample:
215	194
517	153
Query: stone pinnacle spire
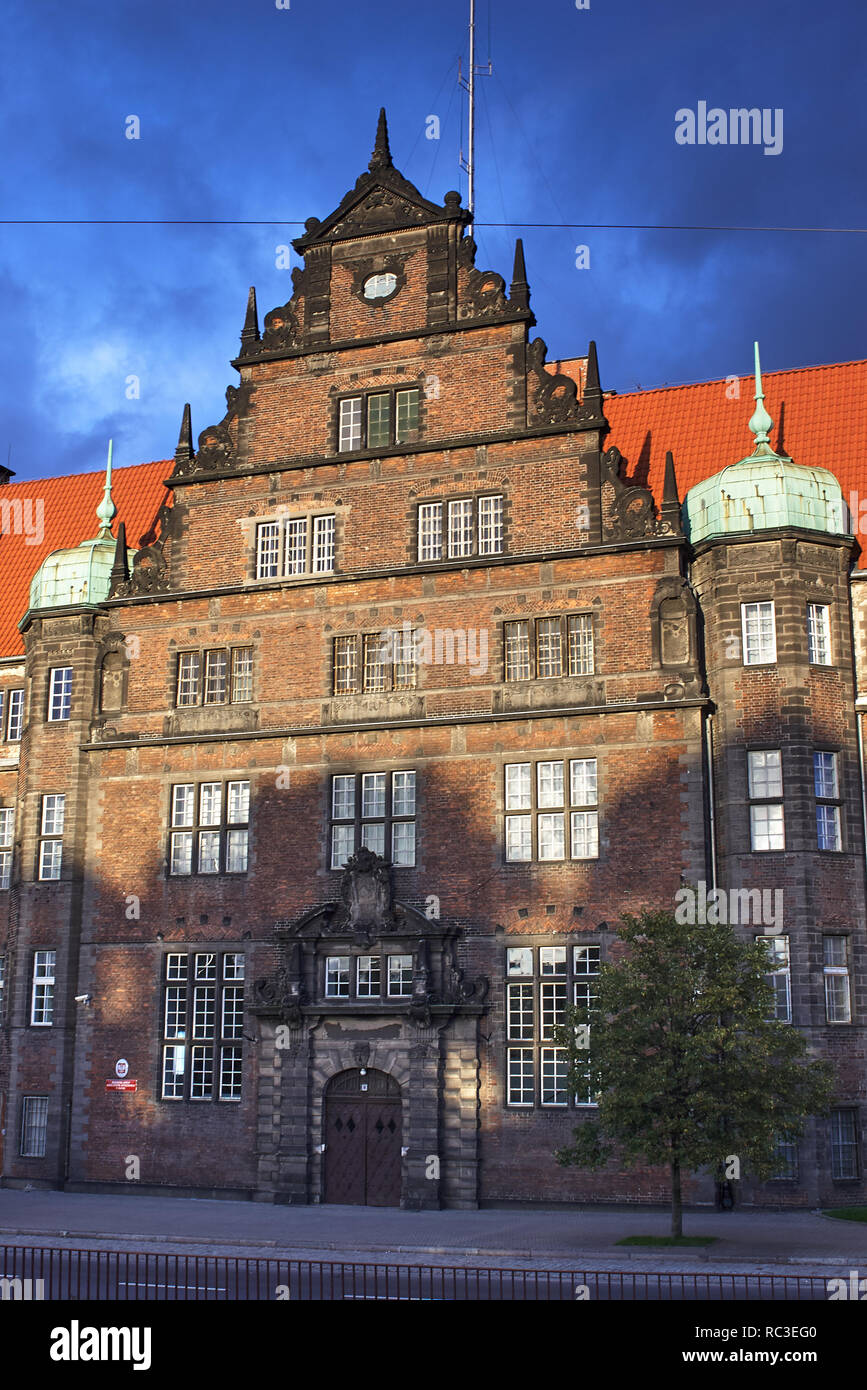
519	290
250	331
106	511
381	158
761	422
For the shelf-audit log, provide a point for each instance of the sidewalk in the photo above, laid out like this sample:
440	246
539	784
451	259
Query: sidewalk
582	1238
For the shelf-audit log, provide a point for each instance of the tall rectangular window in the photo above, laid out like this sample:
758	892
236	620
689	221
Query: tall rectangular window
759	633
7	825
345	665
42	997
379	421
430	531
519	666
580	629
216	670
242	675
323	544
399	976
295	546
407	415
779	976
15	716
34	1126
765	777
189	666
52	817
203	1026
828	808
838	1002
461	527
549	647
2	986
350	424
844	1144
60	693
337	977
819	634
539	986
268	550
490	525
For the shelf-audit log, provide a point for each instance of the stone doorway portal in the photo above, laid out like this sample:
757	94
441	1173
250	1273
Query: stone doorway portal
363	1136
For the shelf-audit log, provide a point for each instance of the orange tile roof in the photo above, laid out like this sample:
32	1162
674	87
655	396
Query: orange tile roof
819	414
68	516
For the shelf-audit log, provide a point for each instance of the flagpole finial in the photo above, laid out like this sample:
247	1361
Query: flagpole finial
106	511
761	423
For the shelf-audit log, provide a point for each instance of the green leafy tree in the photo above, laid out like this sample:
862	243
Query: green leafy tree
684	1059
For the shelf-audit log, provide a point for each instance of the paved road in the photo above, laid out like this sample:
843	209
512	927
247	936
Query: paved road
564	1237
62	1273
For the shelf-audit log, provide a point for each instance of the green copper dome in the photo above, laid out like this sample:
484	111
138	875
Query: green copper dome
82	573
764	491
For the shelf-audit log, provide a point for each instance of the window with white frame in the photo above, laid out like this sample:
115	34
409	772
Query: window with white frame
586	962
819	634
59	693
209	831
779	976
295	546
463	526
547	648
337	974
372	663
759	633
11	715
540	982
203	1026
7	827
826	784
838	1000
219	676
765	785
844	1144
378	419
376	810
51	821
42	996
551	810
361	977
399	976
34	1126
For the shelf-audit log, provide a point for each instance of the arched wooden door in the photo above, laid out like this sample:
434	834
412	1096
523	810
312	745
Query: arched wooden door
363	1133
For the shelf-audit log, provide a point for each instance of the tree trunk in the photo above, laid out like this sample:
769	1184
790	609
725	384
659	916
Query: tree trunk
676	1199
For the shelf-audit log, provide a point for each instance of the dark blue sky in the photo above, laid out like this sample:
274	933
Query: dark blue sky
252	112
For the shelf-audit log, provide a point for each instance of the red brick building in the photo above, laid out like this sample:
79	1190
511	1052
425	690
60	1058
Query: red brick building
320	801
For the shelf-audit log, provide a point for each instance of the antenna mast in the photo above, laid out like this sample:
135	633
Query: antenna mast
469	85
